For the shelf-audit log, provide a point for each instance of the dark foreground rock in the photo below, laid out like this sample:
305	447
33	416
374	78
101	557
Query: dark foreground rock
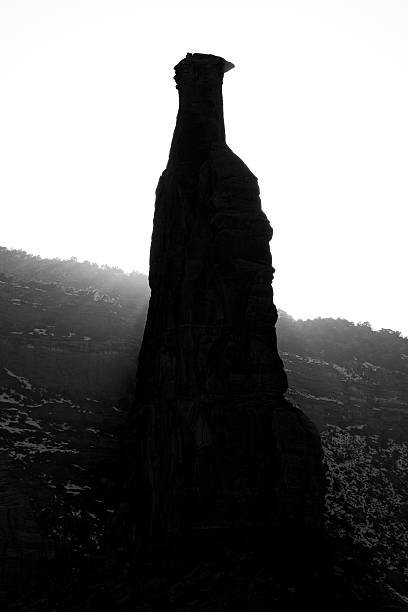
215	444
219	577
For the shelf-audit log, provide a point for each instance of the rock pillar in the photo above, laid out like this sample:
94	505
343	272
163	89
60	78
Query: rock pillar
218	444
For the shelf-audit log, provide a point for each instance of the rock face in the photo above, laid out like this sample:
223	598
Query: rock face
219	445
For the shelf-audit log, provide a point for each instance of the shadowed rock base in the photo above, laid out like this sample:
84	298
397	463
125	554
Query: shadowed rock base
217	445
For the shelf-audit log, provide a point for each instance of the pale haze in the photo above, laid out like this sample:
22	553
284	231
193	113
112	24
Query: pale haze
316	107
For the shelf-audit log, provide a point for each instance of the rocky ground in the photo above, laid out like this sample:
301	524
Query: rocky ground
52	449
58	503
361	410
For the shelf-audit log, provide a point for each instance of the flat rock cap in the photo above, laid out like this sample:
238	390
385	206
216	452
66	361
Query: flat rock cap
203	59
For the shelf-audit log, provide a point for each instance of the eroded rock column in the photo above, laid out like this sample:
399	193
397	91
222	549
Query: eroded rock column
218	445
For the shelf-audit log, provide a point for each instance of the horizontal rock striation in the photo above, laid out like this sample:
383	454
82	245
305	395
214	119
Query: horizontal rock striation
218	445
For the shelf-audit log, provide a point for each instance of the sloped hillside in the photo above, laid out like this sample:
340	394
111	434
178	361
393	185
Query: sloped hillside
353	383
69	337
64	331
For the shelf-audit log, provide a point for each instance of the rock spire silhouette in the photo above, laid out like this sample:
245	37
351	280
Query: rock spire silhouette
218	445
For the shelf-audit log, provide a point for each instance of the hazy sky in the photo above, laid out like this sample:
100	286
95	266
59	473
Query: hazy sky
316	107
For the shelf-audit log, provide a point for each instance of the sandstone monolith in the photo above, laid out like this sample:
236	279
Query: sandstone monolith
218	445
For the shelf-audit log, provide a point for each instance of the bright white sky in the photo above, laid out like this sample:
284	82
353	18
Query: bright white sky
316	107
